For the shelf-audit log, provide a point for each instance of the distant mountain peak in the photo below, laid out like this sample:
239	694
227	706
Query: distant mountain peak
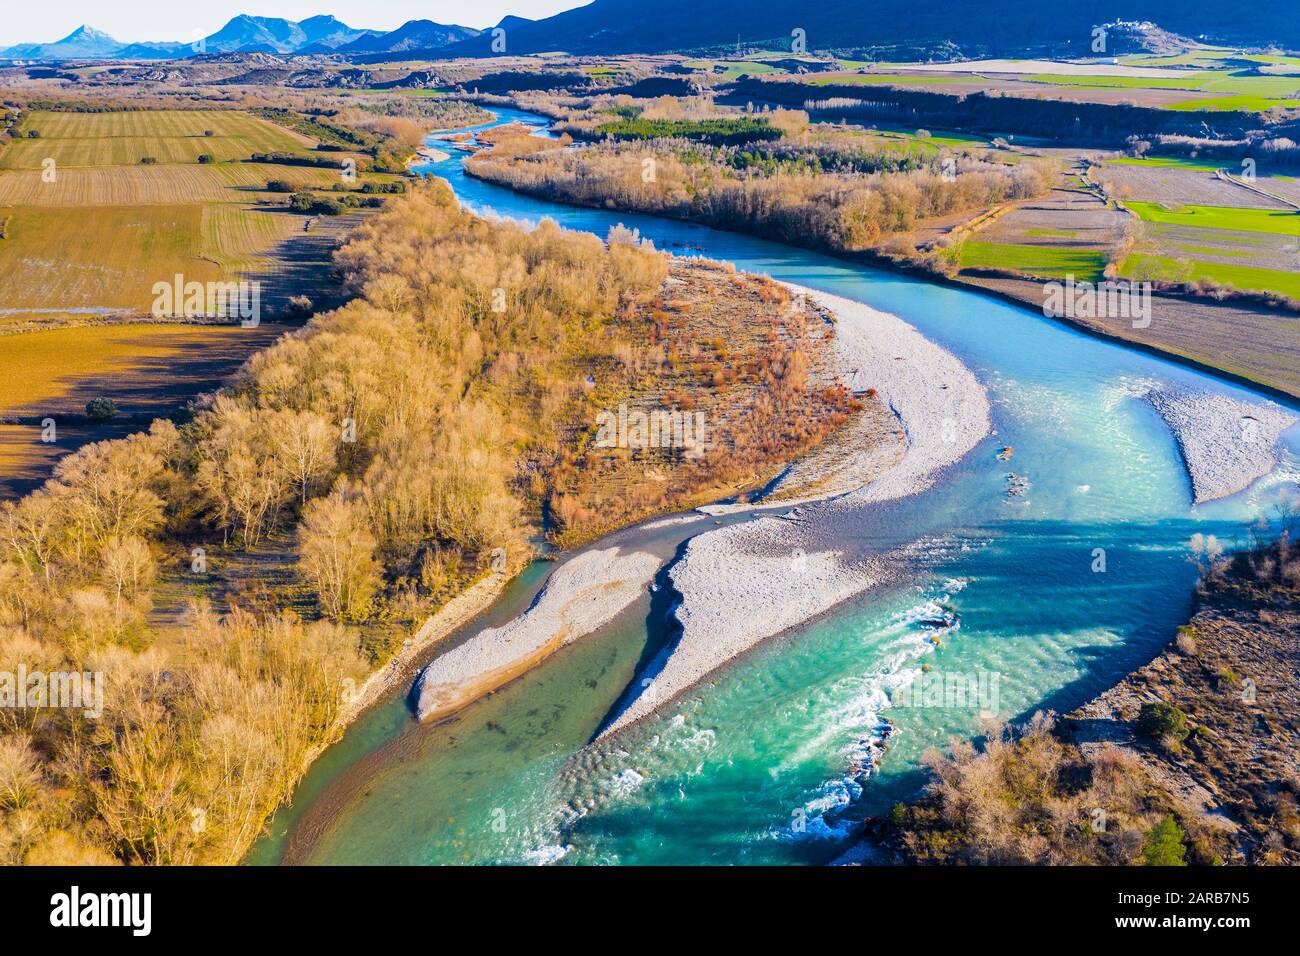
87	32
412	35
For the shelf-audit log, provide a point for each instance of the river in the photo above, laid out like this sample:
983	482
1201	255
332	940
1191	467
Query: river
777	759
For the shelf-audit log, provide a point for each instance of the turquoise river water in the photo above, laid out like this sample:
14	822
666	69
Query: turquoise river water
776	759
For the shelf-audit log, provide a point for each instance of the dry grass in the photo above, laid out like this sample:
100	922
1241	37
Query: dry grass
144	369
730	347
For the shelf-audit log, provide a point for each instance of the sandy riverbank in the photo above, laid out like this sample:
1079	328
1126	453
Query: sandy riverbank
1226	443
427	154
581	595
747	582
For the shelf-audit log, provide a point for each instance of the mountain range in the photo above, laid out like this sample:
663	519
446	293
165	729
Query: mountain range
969	27
1052	27
250	34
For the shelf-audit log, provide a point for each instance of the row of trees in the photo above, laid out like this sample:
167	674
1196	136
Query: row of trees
792	202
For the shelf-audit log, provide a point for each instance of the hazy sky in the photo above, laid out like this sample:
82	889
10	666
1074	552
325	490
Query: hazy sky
27	22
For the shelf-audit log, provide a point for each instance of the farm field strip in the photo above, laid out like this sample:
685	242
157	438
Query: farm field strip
143	185
1284	222
135	225
46	366
238	238
124	138
1205	89
1177	269
1176	184
1048	261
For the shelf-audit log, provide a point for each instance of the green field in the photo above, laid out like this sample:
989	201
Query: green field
1086	265
1167	162
1140	266
1241	219
104	257
1226	89
123	139
732	68
948	138
1208	56
1246	102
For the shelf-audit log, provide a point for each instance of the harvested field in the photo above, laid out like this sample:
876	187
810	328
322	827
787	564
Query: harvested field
1176	185
1225	245
168	136
146	185
57	267
147	370
242	238
1064	218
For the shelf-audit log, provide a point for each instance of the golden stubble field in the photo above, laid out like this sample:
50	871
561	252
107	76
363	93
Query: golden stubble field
147	370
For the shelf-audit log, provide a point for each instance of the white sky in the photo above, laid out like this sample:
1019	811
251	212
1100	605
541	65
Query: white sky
135	20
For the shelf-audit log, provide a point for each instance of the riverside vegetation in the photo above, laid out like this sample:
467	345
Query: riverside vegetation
384	451
1190	760
830	190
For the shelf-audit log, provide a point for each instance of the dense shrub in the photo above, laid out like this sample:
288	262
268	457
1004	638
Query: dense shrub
101	409
1158	719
